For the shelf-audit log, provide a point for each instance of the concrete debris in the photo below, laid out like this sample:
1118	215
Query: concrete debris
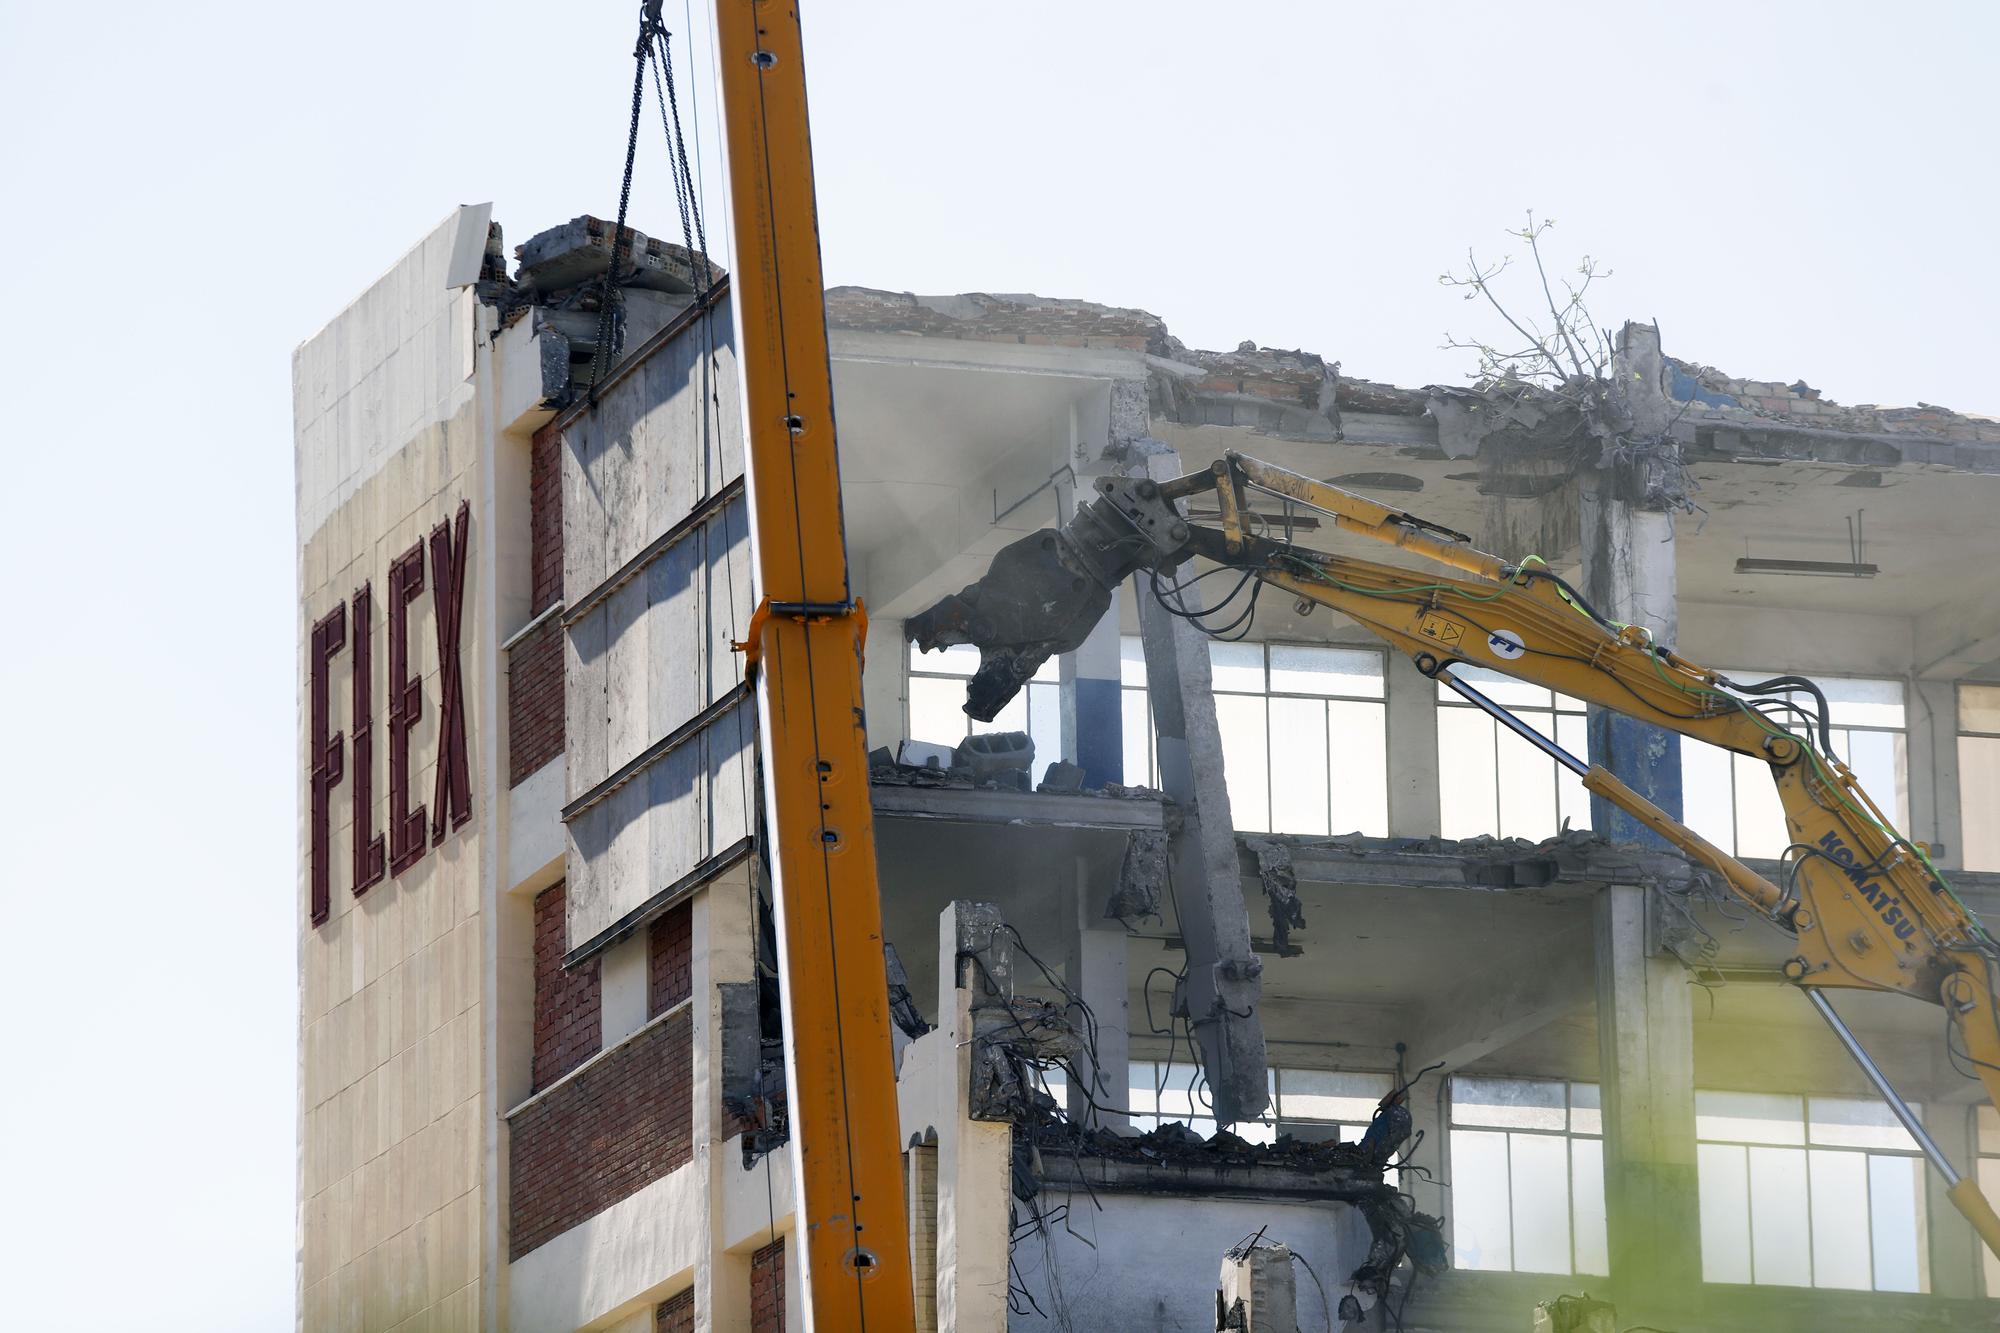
902	1004
988	755
996	317
922	754
559	285
1576	1314
1258	1291
1062	778
1142	878
1281	893
580	250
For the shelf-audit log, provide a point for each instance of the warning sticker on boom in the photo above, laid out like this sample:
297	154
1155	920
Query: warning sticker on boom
1440	629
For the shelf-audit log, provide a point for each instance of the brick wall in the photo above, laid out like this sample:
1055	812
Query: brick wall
545	519
535	664
675	1315
767	1288
669	955
615	1128
569	1026
535	701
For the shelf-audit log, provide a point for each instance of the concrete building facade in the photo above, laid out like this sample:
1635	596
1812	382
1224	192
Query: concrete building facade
541	1077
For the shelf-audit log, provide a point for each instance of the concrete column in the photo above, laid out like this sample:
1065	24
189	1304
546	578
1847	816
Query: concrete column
975	1157
1956	1252
1093	722
1934	806
1224	988
1413	751
1093	715
1645	1038
882	677
1095	970
724	951
1629	576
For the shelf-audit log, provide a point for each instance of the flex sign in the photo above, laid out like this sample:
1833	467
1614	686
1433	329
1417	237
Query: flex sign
412	830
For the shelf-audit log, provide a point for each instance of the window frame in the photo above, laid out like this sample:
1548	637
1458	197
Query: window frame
1806	1147
1740	766
1962	734
1561	779
1569	1134
1333	810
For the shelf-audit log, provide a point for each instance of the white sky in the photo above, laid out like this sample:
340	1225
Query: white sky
1797	190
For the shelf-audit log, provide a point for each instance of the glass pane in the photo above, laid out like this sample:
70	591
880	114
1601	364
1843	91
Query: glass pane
1896	1216
1140	1084
1858	1122
1183	1093
1510	1103
1750	1117
1343	672
1572	801
1479	1229
1586	1186
1979	708
1241	720
1138	736
1237	667
1979	801
1500	689
1527	783
1255	1131
1322	1094
1539	1181
937	710
1050	671
1298	766
1131	661
1360	780
1044	724
1879	761
961	659
1014	717
1760	816
1707	804
1858	702
1467	805
1781	1254
1840	1246
1851	700
1586	1115
1723	1183
1989	1129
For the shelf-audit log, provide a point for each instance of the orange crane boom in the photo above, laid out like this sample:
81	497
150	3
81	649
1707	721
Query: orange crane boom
805	644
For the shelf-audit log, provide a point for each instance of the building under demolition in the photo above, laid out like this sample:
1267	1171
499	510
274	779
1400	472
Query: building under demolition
1171	929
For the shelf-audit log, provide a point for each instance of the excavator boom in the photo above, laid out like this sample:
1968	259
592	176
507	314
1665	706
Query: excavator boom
1867	907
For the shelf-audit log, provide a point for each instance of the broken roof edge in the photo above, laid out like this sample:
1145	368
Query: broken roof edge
1297	394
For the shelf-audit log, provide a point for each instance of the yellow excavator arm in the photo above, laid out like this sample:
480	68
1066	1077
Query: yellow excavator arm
1866	905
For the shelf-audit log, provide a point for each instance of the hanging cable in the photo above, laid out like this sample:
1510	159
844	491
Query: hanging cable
601	361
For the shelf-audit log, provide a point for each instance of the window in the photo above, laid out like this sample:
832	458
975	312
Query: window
937	704
1304	735
1809	1192
1730	798
1492	781
1527	1176
1979	775
1312	1104
1988	1142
